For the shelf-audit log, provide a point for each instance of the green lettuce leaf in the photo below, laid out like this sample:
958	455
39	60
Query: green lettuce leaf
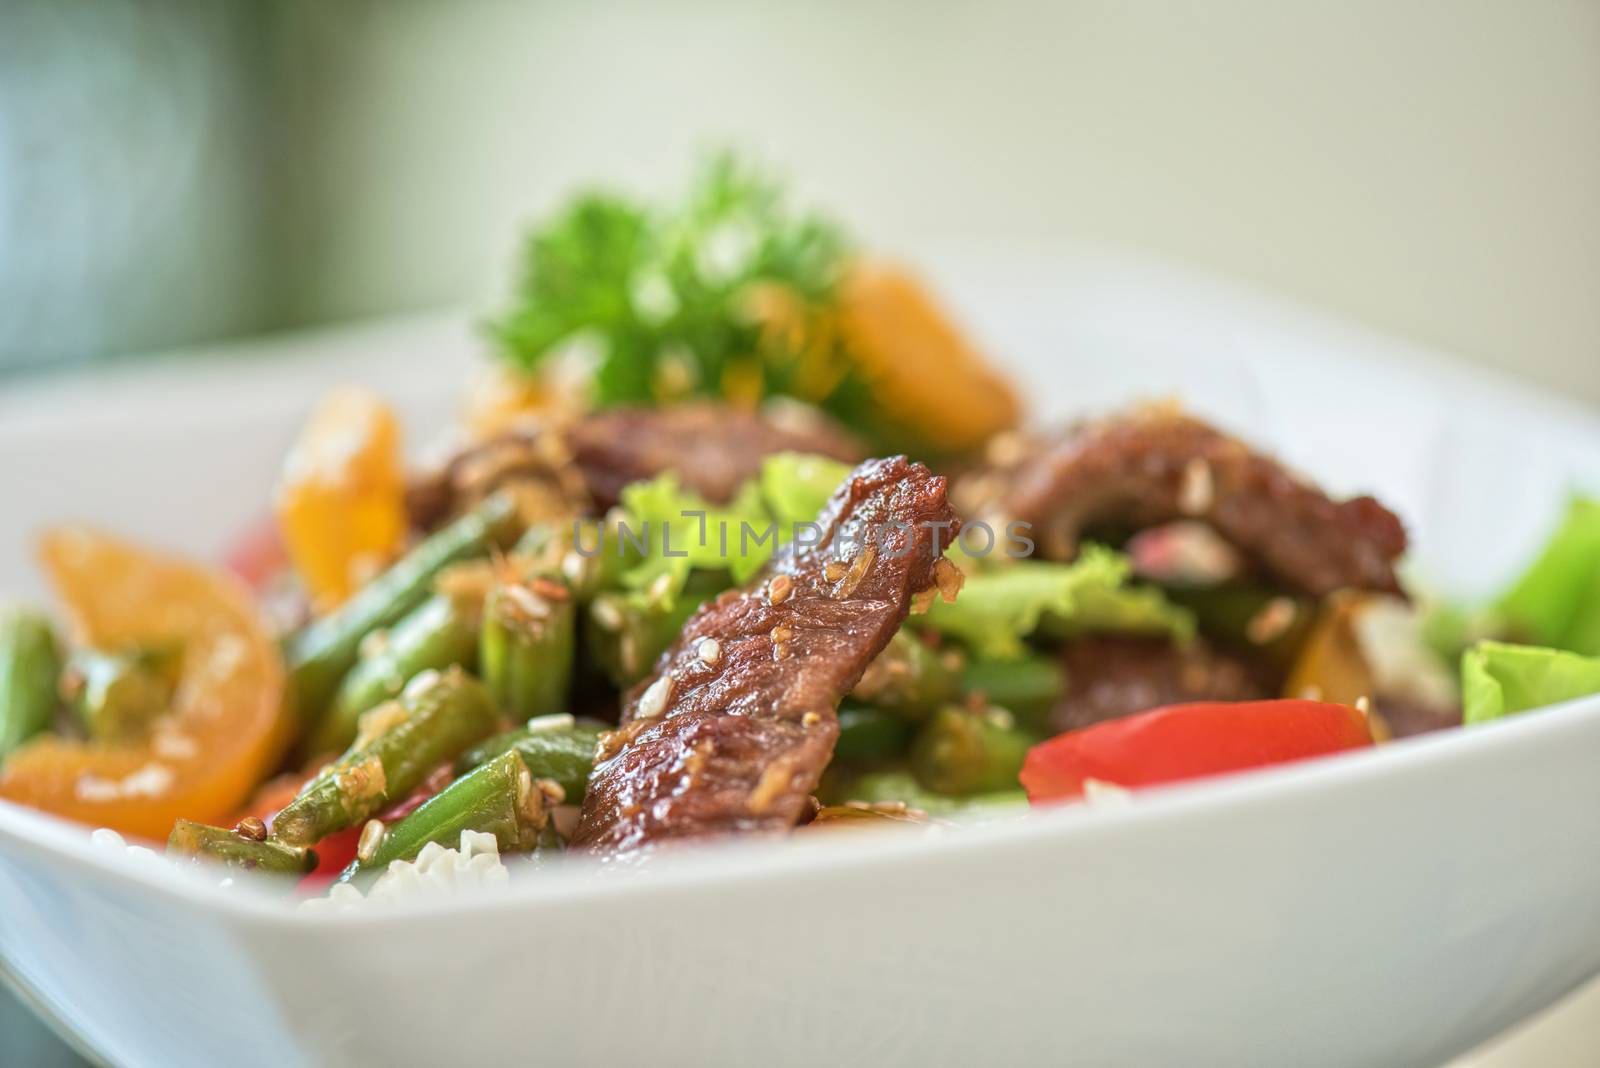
1556	602
796	485
739	537
1000	607
696	534
1498	679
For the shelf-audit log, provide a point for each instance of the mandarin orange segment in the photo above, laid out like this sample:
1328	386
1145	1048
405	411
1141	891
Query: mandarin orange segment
341	501
918	364
1330	665
226	726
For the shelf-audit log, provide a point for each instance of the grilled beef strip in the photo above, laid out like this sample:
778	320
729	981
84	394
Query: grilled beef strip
1111	677
1155	465
584	465
714	449
732	730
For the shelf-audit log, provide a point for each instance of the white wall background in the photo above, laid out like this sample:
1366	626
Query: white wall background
1431	168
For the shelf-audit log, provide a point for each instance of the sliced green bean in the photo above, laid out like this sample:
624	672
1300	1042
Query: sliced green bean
961	751
1271	625
441	632
319	655
30	665
117	695
197	841
900	785
910	677
1028	688
553	747
628	631
498	798
400	743
868	734
525	649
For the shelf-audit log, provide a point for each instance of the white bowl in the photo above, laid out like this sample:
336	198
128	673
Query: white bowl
1390	907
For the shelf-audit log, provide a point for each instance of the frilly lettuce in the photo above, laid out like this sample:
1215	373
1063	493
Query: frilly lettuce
1000	607
796	485
1498	679
1556	602
739	537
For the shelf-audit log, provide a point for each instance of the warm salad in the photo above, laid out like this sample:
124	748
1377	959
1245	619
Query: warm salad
740	535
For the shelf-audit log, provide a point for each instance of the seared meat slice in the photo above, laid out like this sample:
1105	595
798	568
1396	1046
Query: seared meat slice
1108	678
1156	465
712	448
533	463
581	467
734	727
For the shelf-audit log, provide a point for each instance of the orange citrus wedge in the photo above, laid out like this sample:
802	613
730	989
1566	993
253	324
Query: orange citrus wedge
226	727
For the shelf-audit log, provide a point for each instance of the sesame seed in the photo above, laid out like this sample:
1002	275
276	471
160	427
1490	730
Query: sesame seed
923	600
709	650
371	838
526	601
782	650
779	588
834	570
654	700
810	719
781	634
575	566
857	572
555	721
607	614
660	587
1198	491
1275	617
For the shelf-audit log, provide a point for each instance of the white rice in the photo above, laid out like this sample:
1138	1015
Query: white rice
436	873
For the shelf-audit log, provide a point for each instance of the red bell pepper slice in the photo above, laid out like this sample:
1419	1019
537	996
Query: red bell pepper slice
1189	742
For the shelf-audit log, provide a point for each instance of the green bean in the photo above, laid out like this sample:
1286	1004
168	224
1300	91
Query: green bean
961	751
605	554
400	743
442	632
319	655
900	785
1270	625
498	798
910	677
1028	688
30	664
525	648
868	733
197	841
628	631
118	695
553	747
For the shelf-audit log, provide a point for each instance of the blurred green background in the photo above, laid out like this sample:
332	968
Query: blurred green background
174	171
